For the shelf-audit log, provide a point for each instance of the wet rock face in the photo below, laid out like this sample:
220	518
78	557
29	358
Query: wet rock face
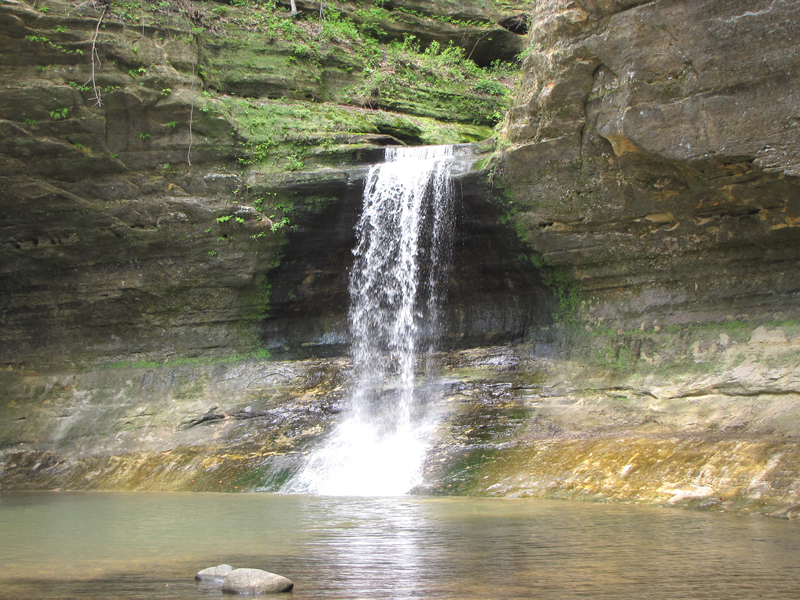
706	417
655	156
225	427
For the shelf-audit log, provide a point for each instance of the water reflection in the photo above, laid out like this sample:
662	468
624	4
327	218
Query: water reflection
150	545
383	540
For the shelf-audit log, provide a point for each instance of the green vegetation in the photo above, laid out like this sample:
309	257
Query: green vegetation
347	60
439	82
567	301
443	18
282	222
78	86
281	135
52	44
59	113
309	91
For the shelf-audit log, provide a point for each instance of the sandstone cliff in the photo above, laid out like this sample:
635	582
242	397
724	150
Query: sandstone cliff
654	157
652	164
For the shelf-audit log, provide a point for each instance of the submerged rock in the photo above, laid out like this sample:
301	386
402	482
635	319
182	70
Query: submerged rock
255	581
214	574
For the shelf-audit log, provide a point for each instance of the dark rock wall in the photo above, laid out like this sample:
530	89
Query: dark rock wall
492	295
653	156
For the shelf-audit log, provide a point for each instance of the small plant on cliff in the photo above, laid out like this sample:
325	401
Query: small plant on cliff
59	113
282	222
294	162
566	297
51	43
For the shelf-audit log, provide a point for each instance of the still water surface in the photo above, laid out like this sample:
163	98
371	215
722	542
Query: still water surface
137	546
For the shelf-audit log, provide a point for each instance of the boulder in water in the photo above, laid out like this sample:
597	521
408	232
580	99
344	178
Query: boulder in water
214	574
255	581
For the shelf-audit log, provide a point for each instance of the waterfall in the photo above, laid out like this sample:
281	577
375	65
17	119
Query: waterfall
396	287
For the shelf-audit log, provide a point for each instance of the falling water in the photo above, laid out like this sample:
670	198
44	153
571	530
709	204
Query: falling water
403	239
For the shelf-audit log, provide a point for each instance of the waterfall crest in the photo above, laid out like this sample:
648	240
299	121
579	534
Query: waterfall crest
396	287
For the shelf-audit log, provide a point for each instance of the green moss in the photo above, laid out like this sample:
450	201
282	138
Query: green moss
463	471
619	358
675	351
273	133
567	300
177	361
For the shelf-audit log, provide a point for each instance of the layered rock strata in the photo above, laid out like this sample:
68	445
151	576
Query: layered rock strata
721	435
653	157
